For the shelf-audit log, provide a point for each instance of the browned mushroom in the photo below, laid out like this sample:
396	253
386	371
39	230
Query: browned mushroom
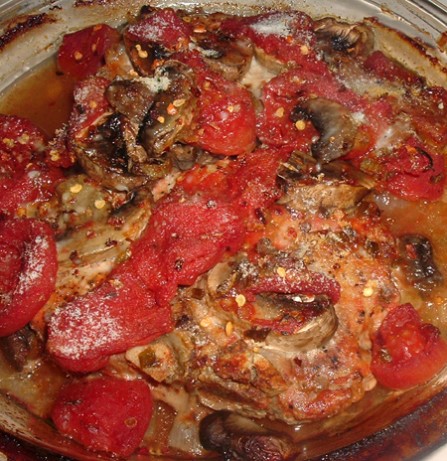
241	439
418	261
128	147
19	347
172	111
295	311
131	98
339	36
335	124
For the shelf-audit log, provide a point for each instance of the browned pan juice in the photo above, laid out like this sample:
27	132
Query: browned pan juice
43	95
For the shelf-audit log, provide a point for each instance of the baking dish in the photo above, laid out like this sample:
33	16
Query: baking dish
424	20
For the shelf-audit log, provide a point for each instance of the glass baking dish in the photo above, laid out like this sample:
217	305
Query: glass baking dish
413	423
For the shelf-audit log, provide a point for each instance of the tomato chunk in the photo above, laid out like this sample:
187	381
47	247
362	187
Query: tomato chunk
35	184
388	69
249	182
406	351
120	314
185	238
20	140
163	27
82	53
28	271
226	120
409	171
90	103
104	414
282	122
286	36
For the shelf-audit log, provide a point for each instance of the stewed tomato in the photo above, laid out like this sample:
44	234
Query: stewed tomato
104	413
20	140
24	176
185	238
226	121
407	351
82	53
27	273
120	314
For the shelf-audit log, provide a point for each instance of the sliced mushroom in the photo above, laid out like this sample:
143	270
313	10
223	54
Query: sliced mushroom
231	58
128	148
334	35
118	63
104	155
172	111
418	260
19	347
310	186
316	321
241	439
335	124
131	98
294	321
184	156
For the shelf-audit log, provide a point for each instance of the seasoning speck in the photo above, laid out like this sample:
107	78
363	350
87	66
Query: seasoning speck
229	328
300	125
240	300
100	204
281	272
76	188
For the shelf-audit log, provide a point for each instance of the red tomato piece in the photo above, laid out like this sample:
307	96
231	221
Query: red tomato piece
249	182
286	36
120	314
252	181
163	27
211	182
104	414
391	70
282	96
275	124
306	282
406	351
28	271
414	174
35	184
90	103
185	238
20	140
82	53
226	121
409	171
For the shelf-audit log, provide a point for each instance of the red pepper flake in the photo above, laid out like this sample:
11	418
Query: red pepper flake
171	110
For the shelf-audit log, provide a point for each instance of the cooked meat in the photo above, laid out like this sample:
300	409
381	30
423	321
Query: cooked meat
225	326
